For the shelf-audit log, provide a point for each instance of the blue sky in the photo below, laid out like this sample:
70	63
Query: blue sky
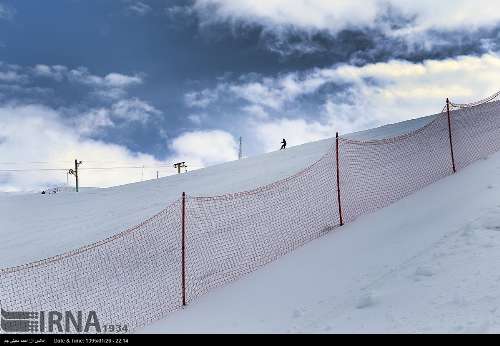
154	81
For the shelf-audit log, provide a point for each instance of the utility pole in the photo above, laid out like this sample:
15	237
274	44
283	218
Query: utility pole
75	172
240	152
180	165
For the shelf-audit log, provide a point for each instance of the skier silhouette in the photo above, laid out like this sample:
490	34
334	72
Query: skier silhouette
283	144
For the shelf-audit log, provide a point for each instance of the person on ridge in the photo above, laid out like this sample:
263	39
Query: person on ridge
283	144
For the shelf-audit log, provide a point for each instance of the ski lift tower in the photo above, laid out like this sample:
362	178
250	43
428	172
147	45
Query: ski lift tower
180	165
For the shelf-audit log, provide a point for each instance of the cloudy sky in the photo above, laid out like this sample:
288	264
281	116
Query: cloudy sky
128	83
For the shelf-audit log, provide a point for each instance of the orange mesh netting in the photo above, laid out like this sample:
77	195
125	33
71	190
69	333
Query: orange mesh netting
135	277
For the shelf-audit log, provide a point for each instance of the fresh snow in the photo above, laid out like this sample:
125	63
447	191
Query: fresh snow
36	226
426	263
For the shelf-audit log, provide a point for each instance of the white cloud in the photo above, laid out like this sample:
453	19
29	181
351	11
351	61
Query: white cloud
109	94
265	92
449	14
336	15
37	133
401	88
111	80
205	147
56	72
125	111
197	118
10	76
179	12
121	80
275	92
370	95
6	12
140	8
11	73
203	98
112	86
134	110
307	14
256	111
93	121
261	93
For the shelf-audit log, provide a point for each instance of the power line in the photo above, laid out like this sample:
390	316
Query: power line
30	162
162	167
33	169
85	168
55	162
125	167
140	166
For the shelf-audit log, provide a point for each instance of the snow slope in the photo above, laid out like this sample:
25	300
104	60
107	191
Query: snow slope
35	226
428	263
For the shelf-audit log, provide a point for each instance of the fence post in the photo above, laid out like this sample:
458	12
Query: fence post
183	247
338	177
449	134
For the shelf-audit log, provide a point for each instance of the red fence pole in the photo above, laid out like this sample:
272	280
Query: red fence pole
183	223
338	177
449	133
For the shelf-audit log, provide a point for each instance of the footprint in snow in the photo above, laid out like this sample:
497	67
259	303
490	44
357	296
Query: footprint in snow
327	328
491	222
424	272
469	229
495	228
367	301
297	313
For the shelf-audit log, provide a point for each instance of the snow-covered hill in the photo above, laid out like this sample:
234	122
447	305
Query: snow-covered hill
427	263
35	226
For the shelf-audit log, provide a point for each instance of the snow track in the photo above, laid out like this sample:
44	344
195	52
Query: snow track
427	263
383	272
35	226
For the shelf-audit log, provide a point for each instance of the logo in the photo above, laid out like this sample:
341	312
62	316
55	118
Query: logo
19	321
55	322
